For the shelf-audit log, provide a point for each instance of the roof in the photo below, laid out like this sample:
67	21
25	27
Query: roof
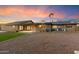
59	23
21	22
47	23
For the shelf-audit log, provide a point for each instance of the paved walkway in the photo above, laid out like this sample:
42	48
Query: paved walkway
42	43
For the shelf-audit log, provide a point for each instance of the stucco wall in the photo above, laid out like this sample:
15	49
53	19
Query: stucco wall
9	28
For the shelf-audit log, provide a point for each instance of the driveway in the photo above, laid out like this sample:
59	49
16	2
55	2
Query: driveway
44	42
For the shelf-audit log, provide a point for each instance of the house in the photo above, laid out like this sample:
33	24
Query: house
40	27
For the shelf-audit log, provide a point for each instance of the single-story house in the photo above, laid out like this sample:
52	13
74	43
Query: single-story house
40	27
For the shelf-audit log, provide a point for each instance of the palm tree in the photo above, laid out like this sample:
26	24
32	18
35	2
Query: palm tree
51	19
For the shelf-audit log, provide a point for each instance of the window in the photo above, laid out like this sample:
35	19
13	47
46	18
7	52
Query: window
20	27
28	28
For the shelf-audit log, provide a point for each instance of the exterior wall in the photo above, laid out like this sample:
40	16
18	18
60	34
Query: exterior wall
77	27
29	28
39	28
18	28
9	28
43	27
0	27
70	28
64	27
33	28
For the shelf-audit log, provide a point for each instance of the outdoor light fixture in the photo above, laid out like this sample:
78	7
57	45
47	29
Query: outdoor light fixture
40	25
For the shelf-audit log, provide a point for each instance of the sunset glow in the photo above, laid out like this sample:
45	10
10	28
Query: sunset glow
21	12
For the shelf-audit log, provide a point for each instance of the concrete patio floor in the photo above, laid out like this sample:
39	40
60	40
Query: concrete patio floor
42	43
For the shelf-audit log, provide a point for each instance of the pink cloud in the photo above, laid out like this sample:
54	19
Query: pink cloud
30	12
76	17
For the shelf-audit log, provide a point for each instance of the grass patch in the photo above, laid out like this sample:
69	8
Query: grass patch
9	35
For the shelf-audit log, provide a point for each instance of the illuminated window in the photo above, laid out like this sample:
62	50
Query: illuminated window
54	26
28	28
40	25
77	24
13	26
20	27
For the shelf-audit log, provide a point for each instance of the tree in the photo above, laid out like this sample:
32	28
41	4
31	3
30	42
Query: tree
51	19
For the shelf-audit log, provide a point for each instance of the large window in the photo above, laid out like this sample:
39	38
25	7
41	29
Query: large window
28	27
54	26
69	26
20	27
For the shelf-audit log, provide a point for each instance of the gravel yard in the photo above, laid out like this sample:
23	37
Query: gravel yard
42	43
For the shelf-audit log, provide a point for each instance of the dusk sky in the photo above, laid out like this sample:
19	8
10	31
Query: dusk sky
13	13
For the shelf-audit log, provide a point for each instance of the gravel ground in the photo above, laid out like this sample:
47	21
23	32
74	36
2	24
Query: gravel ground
42	43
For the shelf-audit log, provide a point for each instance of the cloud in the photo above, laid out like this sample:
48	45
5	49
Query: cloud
14	13
74	17
29	12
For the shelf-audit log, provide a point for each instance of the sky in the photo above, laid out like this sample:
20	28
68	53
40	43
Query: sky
10	13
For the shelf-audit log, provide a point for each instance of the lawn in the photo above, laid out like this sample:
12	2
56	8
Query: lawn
9	35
